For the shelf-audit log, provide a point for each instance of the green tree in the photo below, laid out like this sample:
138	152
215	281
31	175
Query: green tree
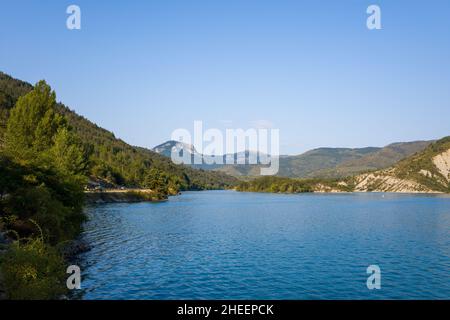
32	124
157	181
49	167
67	153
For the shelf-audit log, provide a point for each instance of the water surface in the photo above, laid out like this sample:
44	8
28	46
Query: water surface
230	245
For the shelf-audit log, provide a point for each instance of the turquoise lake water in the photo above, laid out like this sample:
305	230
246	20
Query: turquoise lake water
230	245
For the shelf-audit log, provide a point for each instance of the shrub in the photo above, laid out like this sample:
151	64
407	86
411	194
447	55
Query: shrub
33	271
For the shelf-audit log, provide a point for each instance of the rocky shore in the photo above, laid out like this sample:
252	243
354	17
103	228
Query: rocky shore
75	247
117	196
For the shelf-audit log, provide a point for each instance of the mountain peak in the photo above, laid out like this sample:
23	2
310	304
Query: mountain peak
169	146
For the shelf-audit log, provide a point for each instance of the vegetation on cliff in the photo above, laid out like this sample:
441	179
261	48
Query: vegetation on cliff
422	167
426	171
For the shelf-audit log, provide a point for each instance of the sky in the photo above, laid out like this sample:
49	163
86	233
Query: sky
311	69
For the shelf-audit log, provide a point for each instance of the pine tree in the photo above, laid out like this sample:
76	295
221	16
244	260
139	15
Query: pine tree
157	181
32	124
67	153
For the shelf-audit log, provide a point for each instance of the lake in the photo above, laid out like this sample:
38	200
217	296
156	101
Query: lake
230	245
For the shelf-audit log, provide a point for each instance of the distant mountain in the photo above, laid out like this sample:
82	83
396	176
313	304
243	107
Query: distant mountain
388	155
168	147
378	159
425	171
316	163
312	163
205	162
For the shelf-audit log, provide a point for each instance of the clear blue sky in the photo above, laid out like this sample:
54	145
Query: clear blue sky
310	68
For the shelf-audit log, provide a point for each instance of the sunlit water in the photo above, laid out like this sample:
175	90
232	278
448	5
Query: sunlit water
229	245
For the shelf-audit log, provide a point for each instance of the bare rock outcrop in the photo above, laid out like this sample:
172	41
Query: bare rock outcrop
386	181
442	163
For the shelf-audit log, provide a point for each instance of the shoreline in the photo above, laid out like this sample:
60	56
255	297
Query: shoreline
122	196
348	192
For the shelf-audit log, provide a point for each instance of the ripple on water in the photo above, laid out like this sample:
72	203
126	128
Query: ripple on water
228	245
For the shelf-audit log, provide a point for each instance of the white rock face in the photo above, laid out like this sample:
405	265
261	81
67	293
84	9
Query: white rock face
174	146
426	173
442	163
385	181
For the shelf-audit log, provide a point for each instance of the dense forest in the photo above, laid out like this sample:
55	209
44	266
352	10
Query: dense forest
48	154
111	159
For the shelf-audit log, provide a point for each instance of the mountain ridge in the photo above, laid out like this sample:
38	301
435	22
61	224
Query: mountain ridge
425	171
323	162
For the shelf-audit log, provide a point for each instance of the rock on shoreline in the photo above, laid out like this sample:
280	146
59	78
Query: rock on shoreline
74	248
117	196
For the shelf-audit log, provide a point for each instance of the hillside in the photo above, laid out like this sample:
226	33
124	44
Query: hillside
316	163
110	158
320	162
426	171
310	163
305	165
204	162
388	155
379	159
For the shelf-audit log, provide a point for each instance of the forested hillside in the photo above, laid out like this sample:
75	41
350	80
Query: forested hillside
112	159
43	168
378	159
48	154
307	165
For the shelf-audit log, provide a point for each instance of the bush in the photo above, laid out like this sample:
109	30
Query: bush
33	271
